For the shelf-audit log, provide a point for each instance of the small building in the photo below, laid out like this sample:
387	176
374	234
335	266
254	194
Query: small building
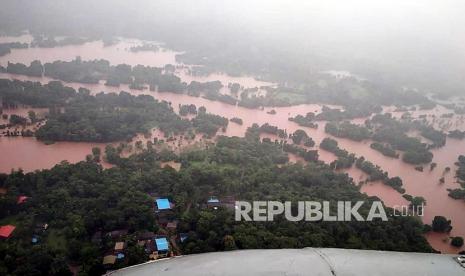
34	239
119	246
109	260
213	199
21	199
162	204
213	202
162	246
6	231
120	256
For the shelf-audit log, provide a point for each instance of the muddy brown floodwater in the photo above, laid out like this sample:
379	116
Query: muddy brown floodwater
30	154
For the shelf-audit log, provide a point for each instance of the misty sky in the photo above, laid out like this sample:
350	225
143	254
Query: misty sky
422	37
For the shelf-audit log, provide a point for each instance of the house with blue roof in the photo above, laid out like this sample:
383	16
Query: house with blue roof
213	199
213	202
162	204
162	246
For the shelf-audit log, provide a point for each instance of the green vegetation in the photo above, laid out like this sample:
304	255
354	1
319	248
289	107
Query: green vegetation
351	112
307	155
187	109
415	201
33	70
83	199
347	130
391	131
212	87
355	104
344	158
415	152
441	224
145	47
110	117
104	117
17	120
5	48
209	123
50	42
438	137
307	121
15	93
375	173
300	136
386	150
414	157
457	134
267	128
236	120
459	193
457	241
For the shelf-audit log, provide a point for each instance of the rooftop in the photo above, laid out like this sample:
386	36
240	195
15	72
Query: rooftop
6	230
22	199
163	204
213	200
109	259
162	244
119	246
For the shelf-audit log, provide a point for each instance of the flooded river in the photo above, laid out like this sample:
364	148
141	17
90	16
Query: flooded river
29	154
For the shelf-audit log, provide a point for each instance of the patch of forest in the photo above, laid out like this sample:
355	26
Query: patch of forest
79	200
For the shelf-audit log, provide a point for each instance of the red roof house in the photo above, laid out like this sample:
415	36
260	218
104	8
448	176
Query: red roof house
21	199
6	230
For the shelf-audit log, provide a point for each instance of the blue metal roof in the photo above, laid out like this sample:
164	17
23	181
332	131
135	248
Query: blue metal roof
213	200
120	256
163	204
162	244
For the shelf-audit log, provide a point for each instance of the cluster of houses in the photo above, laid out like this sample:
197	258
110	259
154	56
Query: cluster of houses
164	243
155	245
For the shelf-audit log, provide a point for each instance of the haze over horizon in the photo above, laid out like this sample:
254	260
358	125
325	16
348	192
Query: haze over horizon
416	43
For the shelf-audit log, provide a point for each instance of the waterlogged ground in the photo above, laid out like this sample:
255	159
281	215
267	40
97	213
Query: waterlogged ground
30	154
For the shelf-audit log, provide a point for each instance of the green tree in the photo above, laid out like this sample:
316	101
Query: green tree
457	241
441	224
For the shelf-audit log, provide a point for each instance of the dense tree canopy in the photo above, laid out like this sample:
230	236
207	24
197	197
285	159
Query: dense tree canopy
79	200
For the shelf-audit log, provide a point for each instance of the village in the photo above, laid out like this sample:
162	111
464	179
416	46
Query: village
156	245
